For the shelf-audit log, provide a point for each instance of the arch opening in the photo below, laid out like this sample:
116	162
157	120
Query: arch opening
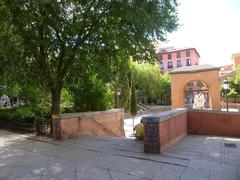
196	95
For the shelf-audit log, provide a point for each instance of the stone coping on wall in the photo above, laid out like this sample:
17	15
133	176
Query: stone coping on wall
92	113
163	116
213	111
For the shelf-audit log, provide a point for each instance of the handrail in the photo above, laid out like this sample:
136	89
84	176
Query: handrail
105	128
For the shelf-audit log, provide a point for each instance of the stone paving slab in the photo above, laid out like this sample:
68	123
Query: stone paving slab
222	176
91	157
21	172
195	174
69	176
57	166
121	176
5	171
169	172
126	165
91	173
147	169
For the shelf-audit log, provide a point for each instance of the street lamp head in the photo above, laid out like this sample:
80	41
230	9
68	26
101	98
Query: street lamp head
226	84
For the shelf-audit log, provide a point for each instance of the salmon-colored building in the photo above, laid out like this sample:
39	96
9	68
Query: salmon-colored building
190	82
171	58
207	74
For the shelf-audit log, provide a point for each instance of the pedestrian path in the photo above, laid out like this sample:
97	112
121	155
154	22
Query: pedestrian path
108	158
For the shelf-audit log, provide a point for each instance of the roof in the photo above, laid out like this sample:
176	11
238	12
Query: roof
226	69
196	68
229	74
173	49
235	55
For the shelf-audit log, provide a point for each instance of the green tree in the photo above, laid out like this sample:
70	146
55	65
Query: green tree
150	83
133	107
57	37
34	96
90	94
67	101
123	82
12	92
237	81
165	89
1	90
234	90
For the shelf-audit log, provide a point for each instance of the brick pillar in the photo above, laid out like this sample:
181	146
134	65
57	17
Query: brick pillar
151	137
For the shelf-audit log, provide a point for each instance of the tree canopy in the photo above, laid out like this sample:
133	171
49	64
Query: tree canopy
234	91
150	84
47	40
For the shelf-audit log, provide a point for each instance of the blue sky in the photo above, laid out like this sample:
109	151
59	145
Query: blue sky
211	26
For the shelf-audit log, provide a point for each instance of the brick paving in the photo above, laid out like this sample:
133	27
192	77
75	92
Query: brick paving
107	158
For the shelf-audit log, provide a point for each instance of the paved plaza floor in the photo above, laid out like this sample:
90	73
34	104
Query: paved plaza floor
107	158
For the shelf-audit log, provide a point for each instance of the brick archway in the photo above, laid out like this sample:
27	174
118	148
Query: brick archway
205	73
196	95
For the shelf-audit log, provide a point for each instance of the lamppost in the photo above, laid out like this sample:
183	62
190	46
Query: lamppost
118	96
226	85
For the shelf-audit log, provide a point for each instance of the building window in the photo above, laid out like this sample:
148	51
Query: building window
188	53
178	55
161	65
170	65
188	62
169	56
179	63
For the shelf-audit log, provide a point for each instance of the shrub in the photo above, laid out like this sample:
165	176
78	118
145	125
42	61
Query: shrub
139	128
42	125
5	116
23	113
24	118
42	111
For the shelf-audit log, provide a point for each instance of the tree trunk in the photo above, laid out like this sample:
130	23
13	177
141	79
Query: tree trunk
56	95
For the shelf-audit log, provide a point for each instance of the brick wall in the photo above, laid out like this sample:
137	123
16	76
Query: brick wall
163	129
172	130
214	123
104	123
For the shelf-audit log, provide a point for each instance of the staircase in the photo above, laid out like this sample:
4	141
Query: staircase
143	108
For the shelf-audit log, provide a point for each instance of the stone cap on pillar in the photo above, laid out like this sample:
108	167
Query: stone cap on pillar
163	116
